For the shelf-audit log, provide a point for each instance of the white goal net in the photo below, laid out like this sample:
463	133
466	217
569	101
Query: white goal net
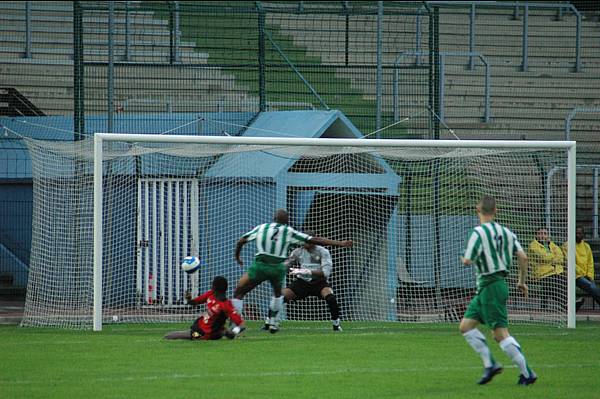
408	206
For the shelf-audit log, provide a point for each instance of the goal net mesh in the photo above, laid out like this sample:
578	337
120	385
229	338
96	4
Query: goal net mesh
408	210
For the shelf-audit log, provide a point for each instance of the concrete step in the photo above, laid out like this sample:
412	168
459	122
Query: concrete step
93	43
101	55
98	20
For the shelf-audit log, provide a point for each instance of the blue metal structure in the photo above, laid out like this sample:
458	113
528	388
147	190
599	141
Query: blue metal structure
271	180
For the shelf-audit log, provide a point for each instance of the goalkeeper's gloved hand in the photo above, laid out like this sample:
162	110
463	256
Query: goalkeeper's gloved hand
301	271
188	298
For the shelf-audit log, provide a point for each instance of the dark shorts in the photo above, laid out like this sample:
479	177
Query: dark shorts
302	289
198	333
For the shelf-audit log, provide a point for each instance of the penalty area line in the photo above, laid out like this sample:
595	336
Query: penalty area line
289	373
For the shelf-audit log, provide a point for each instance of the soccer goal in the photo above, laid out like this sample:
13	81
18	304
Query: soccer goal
115	214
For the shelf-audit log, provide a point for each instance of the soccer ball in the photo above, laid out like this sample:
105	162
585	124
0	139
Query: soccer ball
190	264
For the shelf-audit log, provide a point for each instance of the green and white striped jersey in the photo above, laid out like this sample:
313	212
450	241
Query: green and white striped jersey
274	239
491	247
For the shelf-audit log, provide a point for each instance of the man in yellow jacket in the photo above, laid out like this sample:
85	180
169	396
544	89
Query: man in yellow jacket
547	262
584	274
545	257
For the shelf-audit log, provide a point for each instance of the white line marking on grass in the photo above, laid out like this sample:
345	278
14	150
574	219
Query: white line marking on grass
290	333
291	373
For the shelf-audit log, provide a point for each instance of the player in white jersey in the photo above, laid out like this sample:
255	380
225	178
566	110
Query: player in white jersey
272	243
490	247
311	265
313	273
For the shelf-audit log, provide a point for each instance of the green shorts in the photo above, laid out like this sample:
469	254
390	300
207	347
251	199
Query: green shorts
274	272
488	306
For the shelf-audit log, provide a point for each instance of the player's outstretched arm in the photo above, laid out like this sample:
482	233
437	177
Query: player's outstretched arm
523	265
198	300
333	243
238	250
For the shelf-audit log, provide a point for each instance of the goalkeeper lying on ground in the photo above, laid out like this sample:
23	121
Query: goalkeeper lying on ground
211	324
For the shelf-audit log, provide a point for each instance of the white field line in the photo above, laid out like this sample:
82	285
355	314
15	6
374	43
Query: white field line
284	334
290	373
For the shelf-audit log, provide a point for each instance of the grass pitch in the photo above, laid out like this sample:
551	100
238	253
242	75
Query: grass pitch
303	360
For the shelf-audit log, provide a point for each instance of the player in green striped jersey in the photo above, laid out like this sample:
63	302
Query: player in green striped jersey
490	248
272	243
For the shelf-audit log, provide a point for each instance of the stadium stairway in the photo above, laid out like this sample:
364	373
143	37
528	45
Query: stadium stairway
530	105
46	78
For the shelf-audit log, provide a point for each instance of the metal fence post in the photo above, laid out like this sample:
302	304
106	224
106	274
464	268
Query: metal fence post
434	65
28	29
111	66
578	42
78	73
418	37
487	116
595	203
472	36
395	92
261	58
346	7
442	88
525	50
572	114
176	30
127	32
379	64
516	11
174	36
559	13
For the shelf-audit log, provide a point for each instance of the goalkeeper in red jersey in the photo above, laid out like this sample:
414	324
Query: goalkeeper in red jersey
211	324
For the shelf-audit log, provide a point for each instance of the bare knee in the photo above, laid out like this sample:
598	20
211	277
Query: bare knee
238	293
467	325
500	334
288	294
244	286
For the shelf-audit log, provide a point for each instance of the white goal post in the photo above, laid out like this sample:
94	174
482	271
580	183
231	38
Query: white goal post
100	138
115	214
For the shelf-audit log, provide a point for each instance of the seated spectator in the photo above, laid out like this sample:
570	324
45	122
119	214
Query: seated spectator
584	275
547	262
546	258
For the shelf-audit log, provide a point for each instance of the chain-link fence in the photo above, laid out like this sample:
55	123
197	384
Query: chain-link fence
231	60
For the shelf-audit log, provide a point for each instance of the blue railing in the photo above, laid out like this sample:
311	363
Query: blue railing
595	203
442	83
560	7
175	34
572	114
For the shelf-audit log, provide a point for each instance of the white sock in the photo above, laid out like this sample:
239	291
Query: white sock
238	304
275	306
477	341
336	322
511	347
